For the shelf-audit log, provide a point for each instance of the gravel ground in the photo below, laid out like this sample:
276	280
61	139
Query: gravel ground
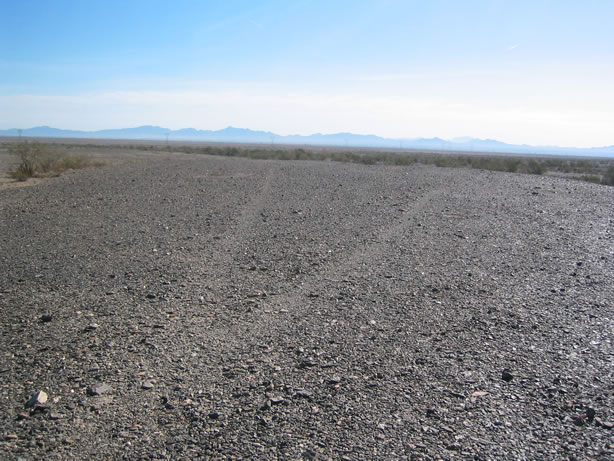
181	307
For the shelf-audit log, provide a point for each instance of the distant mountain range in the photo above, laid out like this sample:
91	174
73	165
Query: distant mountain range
243	135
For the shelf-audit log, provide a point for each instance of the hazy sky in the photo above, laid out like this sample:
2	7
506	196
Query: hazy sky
536	72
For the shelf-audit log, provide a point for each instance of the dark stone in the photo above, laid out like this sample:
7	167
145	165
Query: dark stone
579	420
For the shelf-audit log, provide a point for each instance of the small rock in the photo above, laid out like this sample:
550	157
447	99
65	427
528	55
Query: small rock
478	394
40	398
46	318
334	380
507	376
307	364
55	415
303	395
99	389
276	400
579	420
147	385
92	327
11	437
214	415
201	299
587	417
605	424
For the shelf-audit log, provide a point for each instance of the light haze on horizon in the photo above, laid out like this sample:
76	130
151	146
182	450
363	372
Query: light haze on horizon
536	72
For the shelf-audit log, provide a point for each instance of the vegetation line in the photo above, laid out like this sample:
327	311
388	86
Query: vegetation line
599	171
40	159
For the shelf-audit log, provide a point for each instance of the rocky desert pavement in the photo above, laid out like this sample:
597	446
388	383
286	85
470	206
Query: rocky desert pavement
197	307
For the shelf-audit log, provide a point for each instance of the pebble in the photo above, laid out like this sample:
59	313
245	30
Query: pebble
507	376
276	400
606	424
147	385
99	389
476	395
40	398
304	395
307	364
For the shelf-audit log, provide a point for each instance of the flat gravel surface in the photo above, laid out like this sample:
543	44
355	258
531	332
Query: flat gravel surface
181	307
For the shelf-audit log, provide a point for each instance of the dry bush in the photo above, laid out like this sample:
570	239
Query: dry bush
36	159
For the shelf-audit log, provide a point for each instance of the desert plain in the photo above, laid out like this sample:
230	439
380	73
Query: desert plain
175	306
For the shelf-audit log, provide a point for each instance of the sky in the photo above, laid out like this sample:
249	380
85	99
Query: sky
537	72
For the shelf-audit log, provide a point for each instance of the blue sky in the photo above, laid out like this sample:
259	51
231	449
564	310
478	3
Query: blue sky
536	72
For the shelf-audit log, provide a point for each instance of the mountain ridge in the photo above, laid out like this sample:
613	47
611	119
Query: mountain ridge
344	139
